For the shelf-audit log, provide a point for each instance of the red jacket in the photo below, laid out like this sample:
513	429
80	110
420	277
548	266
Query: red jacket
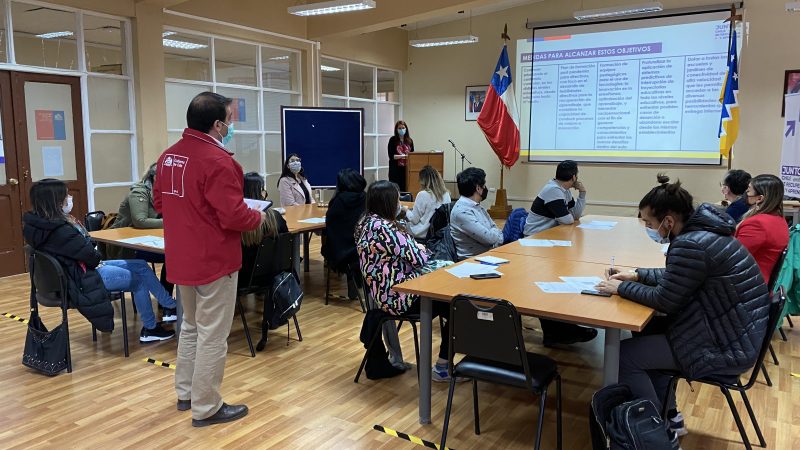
765	236
199	191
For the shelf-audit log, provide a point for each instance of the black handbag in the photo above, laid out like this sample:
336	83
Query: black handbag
45	351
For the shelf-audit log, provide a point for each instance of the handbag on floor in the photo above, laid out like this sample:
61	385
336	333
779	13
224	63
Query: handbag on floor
619	421
45	350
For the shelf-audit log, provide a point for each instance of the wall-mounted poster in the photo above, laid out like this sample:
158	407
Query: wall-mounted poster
50	125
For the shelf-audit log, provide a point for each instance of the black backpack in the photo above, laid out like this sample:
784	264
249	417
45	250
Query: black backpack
618	421
286	296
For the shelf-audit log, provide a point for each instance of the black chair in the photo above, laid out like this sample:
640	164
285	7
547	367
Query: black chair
489	333
349	269
406	197
728	383
49	288
773	278
274	255
412	319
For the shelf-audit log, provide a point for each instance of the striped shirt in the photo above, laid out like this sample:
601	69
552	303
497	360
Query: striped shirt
552	207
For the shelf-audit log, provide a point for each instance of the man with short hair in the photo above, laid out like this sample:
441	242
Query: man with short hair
473	231
199	191
555	206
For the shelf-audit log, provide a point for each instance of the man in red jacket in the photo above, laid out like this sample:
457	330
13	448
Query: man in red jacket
199	192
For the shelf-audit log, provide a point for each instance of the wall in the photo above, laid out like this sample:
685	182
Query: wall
387	48
433	89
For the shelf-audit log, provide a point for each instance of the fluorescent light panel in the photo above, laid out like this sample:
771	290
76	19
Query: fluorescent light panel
329	68
617	11
182	44
55	34
793	6
168	33
331	7
279	58
438	42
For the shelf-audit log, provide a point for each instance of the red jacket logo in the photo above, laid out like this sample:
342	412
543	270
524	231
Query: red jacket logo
172	171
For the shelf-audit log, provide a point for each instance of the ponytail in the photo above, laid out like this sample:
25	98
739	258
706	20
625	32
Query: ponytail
668	198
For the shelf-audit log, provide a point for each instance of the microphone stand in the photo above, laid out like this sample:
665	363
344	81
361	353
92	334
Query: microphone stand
463	157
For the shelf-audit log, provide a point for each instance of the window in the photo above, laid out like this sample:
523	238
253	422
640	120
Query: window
353	85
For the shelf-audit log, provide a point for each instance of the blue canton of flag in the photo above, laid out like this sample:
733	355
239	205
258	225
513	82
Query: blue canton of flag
502	75
729	118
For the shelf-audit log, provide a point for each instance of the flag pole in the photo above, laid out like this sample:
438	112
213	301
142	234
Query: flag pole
732	19
501	209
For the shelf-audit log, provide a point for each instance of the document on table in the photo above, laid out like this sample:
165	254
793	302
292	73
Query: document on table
582	282
569	285
598	225
149	241
491	260
313	220
544	243
466	269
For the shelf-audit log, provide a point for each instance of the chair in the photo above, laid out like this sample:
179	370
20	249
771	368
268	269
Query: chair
406	197
274	255
489	333
728	383
349	269
773	278
412	319
49	288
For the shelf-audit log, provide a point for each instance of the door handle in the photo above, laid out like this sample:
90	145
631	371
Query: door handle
13	181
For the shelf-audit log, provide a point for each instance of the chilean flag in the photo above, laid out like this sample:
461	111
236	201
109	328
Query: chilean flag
499	118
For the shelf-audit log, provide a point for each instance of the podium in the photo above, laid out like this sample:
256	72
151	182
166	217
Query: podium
414	164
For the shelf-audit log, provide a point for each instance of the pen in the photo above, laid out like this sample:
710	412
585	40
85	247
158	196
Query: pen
612	265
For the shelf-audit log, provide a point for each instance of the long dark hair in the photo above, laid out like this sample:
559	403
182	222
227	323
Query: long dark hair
405	139
382	200
47	198
348	180
668	198
771	187
253	186
285	172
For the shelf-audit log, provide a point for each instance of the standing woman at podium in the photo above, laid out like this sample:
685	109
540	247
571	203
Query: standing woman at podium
400	145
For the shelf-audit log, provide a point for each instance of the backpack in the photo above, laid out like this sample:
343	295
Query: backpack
108	221
619	421
515	225
286	297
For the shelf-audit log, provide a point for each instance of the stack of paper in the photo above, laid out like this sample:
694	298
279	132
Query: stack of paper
544	243
570	285
148	241
466	269
491	260
598	225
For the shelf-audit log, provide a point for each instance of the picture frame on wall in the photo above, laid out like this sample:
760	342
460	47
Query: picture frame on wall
474	98
791	85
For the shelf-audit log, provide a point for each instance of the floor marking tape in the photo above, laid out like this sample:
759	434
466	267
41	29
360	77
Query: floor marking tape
160	363
14	317
408	437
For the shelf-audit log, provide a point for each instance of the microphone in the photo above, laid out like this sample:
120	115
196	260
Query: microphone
451	142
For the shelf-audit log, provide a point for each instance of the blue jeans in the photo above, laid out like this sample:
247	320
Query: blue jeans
135	276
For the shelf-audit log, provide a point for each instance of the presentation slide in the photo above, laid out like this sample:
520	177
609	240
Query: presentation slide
636	91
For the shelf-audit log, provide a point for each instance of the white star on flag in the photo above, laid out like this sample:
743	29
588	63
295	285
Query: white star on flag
503	72
735	76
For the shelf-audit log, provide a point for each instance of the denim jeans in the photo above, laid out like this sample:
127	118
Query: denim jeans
135	276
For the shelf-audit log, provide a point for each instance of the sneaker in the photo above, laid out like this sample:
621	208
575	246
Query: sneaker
439	374
155	334
169	315
676	424
673	440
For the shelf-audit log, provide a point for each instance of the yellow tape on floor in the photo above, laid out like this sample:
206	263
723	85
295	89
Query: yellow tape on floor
407	437
14	317
160	363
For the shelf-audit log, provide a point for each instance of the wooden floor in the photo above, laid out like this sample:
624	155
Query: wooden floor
303	395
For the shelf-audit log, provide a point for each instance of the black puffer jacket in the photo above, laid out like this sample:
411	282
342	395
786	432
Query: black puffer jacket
343	213
714	293
87	292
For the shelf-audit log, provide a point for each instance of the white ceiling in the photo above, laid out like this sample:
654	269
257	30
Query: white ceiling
498	5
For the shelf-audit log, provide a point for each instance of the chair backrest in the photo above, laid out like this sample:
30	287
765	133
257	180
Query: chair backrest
94	221
406	197
777	301
273	257
48	282
776	270
489	329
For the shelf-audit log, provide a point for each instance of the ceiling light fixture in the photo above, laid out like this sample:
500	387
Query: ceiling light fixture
617	11
168	33
438	42
331	7
55	34
279	58
329	69
183	45
793	7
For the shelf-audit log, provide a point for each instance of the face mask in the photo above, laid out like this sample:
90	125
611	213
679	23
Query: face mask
654	235
68	207
228	137
401	132
295	166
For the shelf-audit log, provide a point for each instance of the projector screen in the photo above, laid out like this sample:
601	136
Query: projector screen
633	91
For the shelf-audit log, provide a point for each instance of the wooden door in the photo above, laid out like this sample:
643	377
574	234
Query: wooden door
12	257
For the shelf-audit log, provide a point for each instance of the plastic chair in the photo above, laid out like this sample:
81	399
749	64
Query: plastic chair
406	197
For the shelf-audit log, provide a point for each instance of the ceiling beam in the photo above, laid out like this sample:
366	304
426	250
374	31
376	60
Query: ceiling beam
387	14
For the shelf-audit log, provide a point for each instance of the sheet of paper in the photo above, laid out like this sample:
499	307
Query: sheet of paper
258	205
53	161
466	269
595	226
604	222
535	243
149	241
557	288
157	244
491	259
557	243
313	220
582	283
664	248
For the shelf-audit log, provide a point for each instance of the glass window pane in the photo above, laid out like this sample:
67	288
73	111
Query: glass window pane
387	117
187	57
246	150
388	85
272	108
44	37
272	187
173	137
274	154
371	175
108	198
244	107
334	102
369	114
178	98
104	42
278	68
108	104
362	81
383	174
111	158
332	76
51	149
369	151
235	62
383	151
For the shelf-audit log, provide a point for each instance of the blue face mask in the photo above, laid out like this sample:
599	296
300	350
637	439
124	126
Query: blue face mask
401	132
654	235
228	137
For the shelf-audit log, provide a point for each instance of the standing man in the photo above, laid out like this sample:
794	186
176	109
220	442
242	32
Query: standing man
199	191
473	231
555	206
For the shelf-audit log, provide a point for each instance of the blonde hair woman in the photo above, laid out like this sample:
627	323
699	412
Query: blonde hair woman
432	195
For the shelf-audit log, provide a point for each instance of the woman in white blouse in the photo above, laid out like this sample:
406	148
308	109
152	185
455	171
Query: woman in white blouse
293	185
432	195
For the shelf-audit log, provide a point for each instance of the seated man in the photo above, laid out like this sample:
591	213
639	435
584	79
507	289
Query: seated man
473	231
552	207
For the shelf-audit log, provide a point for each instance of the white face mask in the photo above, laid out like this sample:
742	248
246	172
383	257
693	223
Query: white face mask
68	207
656	236
295	166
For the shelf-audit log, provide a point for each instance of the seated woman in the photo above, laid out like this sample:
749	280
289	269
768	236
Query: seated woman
293	185
711	291
389	255
272	227
763	230
733	187
432	196
51	229
344	210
